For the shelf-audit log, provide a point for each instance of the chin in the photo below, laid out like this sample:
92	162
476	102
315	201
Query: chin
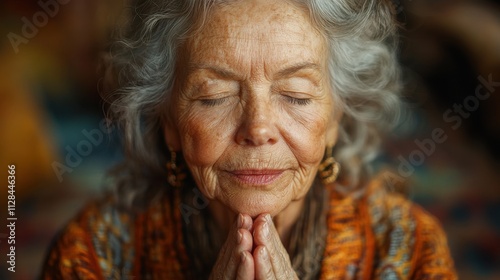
256	204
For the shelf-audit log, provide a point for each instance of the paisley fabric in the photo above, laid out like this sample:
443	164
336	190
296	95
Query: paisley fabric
376	235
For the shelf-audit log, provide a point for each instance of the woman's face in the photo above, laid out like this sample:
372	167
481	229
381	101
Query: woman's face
252	109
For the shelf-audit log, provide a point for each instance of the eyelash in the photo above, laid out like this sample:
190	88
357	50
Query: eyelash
298	101
212	102
292	100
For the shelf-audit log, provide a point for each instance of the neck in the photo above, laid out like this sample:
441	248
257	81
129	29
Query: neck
284	221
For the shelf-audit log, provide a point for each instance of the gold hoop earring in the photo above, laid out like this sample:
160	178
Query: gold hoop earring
329	168
175	173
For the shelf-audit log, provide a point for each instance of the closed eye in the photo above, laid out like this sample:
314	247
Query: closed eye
298	101
213	102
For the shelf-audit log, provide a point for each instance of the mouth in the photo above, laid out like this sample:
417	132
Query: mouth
257	176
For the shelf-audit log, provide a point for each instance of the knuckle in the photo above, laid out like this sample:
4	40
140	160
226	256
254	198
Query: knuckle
268	274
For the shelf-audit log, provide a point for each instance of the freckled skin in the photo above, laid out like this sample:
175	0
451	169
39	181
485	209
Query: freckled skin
237	107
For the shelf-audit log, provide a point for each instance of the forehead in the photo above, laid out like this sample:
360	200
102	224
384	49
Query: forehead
257	33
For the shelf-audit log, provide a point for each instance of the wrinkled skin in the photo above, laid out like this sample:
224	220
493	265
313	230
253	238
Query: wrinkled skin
253	96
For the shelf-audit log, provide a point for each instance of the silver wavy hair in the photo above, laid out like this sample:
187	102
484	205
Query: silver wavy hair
142	65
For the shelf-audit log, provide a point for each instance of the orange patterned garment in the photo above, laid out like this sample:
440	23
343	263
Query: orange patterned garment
379	235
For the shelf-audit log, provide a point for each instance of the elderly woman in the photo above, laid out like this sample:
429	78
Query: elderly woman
237	118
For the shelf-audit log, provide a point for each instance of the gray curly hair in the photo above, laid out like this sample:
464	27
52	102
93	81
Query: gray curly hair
142	62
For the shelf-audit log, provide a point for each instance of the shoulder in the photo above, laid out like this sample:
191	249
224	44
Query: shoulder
93	244
409	242
432	256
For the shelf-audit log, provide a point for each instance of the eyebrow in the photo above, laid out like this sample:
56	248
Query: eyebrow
296	68
225	73
215	69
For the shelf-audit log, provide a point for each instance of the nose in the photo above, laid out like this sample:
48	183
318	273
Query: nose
258	126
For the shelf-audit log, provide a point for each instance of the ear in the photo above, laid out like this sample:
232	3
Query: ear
171	134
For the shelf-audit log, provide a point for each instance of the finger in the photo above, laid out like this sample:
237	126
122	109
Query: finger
247	222
260	232
265	234
247	239
242	241
228	260
263	266
225	267
246	243
246	269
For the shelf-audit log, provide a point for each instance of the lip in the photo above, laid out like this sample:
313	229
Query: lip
257	176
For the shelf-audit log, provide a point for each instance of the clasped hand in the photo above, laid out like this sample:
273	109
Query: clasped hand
253	250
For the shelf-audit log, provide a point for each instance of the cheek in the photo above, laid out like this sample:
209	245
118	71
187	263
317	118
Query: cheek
204	136
307	136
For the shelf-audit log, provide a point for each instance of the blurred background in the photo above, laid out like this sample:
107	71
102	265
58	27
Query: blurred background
53	129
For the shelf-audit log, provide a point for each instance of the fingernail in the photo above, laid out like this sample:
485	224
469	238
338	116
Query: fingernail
264	253
240	220
243	257
265	229
240	237
268	218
